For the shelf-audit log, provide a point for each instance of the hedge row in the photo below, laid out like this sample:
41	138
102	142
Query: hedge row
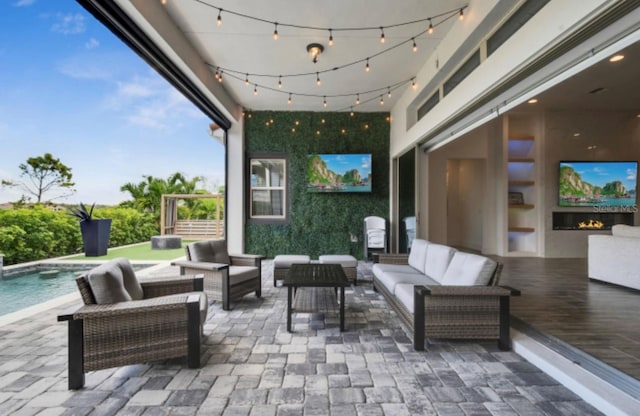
36	233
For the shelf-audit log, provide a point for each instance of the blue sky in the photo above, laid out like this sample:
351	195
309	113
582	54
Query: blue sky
600	173
69	87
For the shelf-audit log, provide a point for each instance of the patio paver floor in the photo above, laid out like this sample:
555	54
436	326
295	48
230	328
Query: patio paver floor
253	366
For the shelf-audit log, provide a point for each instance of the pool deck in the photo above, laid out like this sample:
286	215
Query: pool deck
253	366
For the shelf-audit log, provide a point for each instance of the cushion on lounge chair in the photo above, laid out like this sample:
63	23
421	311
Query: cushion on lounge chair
107	284
131	283
209	251
243	273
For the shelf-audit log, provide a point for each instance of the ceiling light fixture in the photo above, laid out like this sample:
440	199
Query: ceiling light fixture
381	34
219	20
533	101
275	32
461	14
430	30
415	47
366	67
616	58
315	49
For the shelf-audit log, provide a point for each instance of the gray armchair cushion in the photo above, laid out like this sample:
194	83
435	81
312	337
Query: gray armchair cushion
107	284
209	251
131	283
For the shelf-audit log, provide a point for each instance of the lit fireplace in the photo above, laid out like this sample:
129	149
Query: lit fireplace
590	225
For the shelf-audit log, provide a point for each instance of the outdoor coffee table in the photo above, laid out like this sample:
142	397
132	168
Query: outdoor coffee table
315	275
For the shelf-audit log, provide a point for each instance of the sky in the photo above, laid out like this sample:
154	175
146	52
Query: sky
71	88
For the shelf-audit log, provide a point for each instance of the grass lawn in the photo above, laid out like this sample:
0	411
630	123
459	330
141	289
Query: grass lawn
140	251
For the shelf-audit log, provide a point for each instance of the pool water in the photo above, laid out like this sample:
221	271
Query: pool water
28	286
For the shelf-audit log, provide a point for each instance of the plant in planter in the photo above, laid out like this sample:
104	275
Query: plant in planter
95	232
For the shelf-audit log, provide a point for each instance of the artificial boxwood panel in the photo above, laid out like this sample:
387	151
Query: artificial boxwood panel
319	223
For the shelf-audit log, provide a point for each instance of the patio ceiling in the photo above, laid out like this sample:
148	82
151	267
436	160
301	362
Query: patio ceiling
242	47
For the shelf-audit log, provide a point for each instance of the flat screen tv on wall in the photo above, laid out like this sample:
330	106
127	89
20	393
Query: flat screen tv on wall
345	172
590	184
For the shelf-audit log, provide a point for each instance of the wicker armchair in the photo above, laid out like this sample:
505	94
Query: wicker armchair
165	323
226	277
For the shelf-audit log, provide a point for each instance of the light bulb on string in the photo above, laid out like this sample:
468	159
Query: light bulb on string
255	89
381	100
246	80
280	81
275	31
324	101
289	101
366	67
358	99
415	47
220	76
430	30
413	83
217	72
381	34
219	19
330	37
389	92
461	14
351	113
318	79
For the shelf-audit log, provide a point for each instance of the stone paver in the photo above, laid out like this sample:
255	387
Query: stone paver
254	367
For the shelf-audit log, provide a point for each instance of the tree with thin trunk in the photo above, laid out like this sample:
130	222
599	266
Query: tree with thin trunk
44	175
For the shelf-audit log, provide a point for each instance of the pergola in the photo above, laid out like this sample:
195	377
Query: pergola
189	229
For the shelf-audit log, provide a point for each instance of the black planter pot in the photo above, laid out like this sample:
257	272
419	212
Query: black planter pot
95	237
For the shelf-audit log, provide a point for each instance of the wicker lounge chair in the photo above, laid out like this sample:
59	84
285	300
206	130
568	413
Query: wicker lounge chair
226	276
111	329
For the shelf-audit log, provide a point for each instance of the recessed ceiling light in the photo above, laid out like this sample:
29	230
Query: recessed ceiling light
616	58
533	101
576	134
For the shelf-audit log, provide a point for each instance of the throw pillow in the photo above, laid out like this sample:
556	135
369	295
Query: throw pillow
107	284
131	283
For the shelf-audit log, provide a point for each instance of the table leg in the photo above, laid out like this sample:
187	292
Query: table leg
289	301
341	308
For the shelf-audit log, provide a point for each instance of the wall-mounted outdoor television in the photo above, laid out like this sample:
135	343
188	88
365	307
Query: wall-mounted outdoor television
345	172
589	184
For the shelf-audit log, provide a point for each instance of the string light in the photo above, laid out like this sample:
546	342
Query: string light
430	30
318	79
219	20
275	32
381	100
366	68
358	99
255	89
330	37
351	113
220	77
289	101
381	34
324	101
413	83
415	47
280	82
246	80
389	92
459	11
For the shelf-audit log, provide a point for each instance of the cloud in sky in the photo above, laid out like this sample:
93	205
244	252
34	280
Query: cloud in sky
92	43
69	24
24	3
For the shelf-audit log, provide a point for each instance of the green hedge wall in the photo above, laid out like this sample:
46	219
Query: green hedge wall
319	223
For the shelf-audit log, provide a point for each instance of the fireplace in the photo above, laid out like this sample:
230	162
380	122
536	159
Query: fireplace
590	221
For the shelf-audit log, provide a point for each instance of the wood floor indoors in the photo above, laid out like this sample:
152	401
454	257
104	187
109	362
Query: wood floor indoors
558	300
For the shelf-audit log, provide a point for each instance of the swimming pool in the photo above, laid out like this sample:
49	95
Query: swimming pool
27	286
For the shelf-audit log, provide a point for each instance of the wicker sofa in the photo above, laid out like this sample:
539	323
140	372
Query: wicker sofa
125	321
441	292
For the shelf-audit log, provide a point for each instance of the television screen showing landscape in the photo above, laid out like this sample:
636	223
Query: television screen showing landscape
339	173
597	184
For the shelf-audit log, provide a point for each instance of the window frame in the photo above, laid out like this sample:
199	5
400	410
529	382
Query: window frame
268	219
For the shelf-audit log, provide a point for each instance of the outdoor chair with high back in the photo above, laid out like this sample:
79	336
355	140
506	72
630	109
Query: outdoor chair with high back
126	321
375	236
226	276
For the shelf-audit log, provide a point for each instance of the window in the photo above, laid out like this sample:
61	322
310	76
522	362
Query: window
268	189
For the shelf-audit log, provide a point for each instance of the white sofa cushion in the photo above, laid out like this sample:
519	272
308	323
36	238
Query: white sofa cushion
404	295
437	260
391	279
375	238
418	254
466	269
622	230
379	268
